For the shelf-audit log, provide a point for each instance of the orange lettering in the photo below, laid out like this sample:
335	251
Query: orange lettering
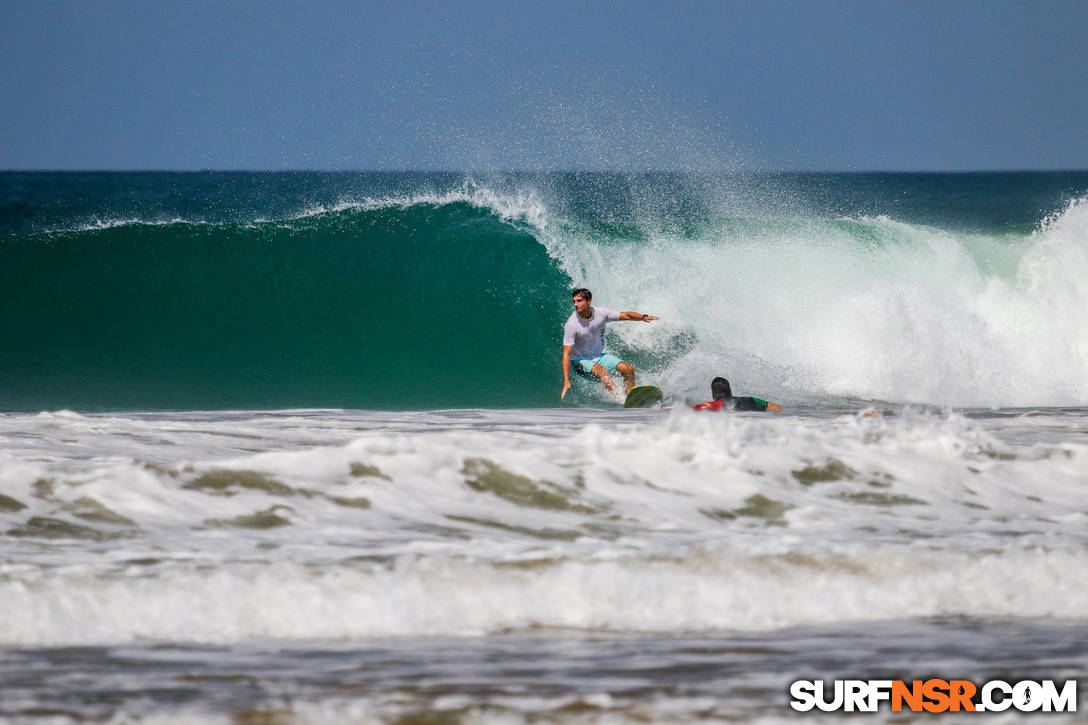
937	692
912	695
961	692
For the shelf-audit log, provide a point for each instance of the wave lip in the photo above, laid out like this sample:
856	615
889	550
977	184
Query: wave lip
517	206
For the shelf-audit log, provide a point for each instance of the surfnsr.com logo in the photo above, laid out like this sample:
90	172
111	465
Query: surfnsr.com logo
934	695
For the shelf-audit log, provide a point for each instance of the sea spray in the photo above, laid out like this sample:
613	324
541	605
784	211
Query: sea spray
812	311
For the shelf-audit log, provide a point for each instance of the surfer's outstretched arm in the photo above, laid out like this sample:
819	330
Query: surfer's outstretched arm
566	370
637	316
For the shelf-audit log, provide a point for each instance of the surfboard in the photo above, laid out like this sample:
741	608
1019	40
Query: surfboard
643	396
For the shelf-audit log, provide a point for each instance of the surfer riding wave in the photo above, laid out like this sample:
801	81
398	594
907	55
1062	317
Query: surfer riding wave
583	343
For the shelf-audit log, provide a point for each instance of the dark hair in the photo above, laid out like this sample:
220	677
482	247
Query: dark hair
719	389
582	292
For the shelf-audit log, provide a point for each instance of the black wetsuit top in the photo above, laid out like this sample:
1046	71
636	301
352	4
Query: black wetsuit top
746	403
741	403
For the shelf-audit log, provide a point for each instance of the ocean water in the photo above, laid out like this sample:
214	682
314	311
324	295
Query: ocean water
288	448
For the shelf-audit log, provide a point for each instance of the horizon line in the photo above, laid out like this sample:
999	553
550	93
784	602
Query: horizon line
303	170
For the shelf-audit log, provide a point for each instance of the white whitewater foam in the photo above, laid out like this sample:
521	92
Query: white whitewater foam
480	522
700	591
867	309
661	476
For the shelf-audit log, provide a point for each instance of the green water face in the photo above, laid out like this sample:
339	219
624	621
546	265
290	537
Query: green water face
387	308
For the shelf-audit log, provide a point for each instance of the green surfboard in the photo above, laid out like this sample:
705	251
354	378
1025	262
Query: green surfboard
643	396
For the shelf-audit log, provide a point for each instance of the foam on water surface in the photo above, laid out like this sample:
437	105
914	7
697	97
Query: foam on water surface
333	525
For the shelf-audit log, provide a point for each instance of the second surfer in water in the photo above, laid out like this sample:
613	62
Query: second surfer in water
583	343
725	400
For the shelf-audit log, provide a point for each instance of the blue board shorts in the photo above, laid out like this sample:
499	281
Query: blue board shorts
585	365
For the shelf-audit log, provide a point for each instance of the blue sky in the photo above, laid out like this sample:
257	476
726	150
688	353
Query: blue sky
869	85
